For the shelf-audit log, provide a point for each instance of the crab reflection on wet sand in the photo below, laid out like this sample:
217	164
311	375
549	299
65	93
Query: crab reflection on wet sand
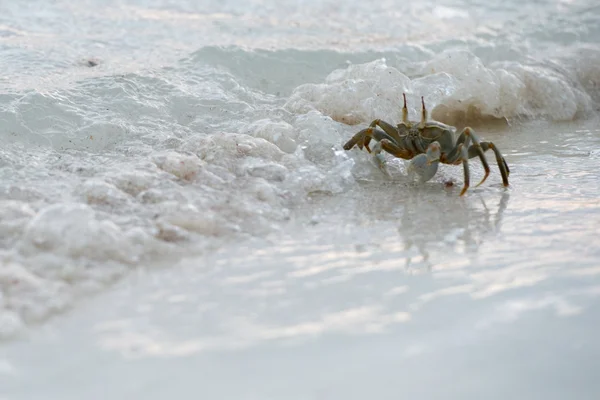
434	228
426	144
459	230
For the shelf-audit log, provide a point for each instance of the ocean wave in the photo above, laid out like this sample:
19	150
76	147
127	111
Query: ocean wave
458	87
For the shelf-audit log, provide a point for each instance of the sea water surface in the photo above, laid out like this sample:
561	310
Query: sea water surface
178	217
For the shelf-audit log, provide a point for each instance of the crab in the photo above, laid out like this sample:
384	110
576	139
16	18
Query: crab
426	144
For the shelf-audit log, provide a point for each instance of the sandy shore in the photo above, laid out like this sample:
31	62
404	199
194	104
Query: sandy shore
385	292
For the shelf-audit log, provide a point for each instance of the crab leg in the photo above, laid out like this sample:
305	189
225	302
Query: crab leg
396	150
360	139
502	165
387	128
476	150
458	154
465	160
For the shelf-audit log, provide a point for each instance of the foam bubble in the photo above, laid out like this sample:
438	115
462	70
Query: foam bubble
133	182
280	134
224	149
181	165
74	230
14	216
27	297
96	191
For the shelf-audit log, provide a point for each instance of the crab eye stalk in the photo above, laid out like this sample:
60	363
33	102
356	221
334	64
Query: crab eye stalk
423	113
404	110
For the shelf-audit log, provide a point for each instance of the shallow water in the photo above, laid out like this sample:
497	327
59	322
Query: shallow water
192	175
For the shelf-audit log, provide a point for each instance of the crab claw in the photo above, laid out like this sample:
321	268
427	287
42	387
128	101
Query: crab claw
379	158
426	165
